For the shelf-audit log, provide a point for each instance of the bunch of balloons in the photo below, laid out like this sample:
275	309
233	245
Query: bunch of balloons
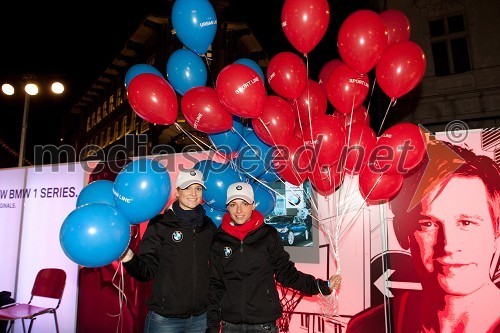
97	232
290	137
154	98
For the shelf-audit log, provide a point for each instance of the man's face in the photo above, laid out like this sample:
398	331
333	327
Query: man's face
190	197
240	210
455	236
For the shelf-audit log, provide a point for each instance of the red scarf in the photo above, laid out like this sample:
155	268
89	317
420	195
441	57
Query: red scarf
242	230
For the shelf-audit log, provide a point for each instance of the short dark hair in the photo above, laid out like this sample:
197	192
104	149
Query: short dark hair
480	166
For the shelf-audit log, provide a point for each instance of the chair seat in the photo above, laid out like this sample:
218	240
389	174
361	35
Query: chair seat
22	311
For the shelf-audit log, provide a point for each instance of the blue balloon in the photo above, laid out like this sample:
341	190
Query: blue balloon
94	235
215	214
218	177
265	199
254	155
186	70
140	69
98	191
253	65
227	142
195	24
142	190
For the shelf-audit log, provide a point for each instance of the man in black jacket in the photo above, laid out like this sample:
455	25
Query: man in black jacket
246	258
175	253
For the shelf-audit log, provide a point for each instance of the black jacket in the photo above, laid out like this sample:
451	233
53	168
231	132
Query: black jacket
242	278
176	254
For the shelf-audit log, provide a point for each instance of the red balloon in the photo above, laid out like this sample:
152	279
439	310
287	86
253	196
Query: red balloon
325	72
346	89
153	99
358	116
312	102
287	75
401	68
397	24
204	112
326	180
305	22
405	145
376	186
360	139
241	90
362	39
274	126
293	163
328	140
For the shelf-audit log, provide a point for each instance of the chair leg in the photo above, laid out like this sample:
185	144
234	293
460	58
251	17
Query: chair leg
55	319
24	327
11	323
31	324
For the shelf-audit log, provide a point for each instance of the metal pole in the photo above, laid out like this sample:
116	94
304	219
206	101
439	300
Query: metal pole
23	130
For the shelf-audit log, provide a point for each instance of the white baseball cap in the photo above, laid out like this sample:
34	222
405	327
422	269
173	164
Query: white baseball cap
240	190
189	177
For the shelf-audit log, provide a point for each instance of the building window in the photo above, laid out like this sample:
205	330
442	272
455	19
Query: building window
117	131
88	123
144	126
209	55
119	96
103	138
111	103
124	125
450	49
109	136
132	122
105	109
93	119
98	115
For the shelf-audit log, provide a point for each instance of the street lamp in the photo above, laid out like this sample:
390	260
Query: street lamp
31	89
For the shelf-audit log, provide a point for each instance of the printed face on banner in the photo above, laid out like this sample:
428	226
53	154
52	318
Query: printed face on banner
457	241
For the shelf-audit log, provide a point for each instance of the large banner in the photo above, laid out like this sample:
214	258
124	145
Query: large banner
414	270
12	196
35	201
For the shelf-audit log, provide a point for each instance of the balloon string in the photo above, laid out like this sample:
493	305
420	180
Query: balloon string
370	99
267	130
263	162
196	140
209	69
363	203
391	104
250	146
308	98
233	165
274	143
348	146
301	130
122	297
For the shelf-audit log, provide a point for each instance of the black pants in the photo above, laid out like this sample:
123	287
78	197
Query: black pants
249	328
